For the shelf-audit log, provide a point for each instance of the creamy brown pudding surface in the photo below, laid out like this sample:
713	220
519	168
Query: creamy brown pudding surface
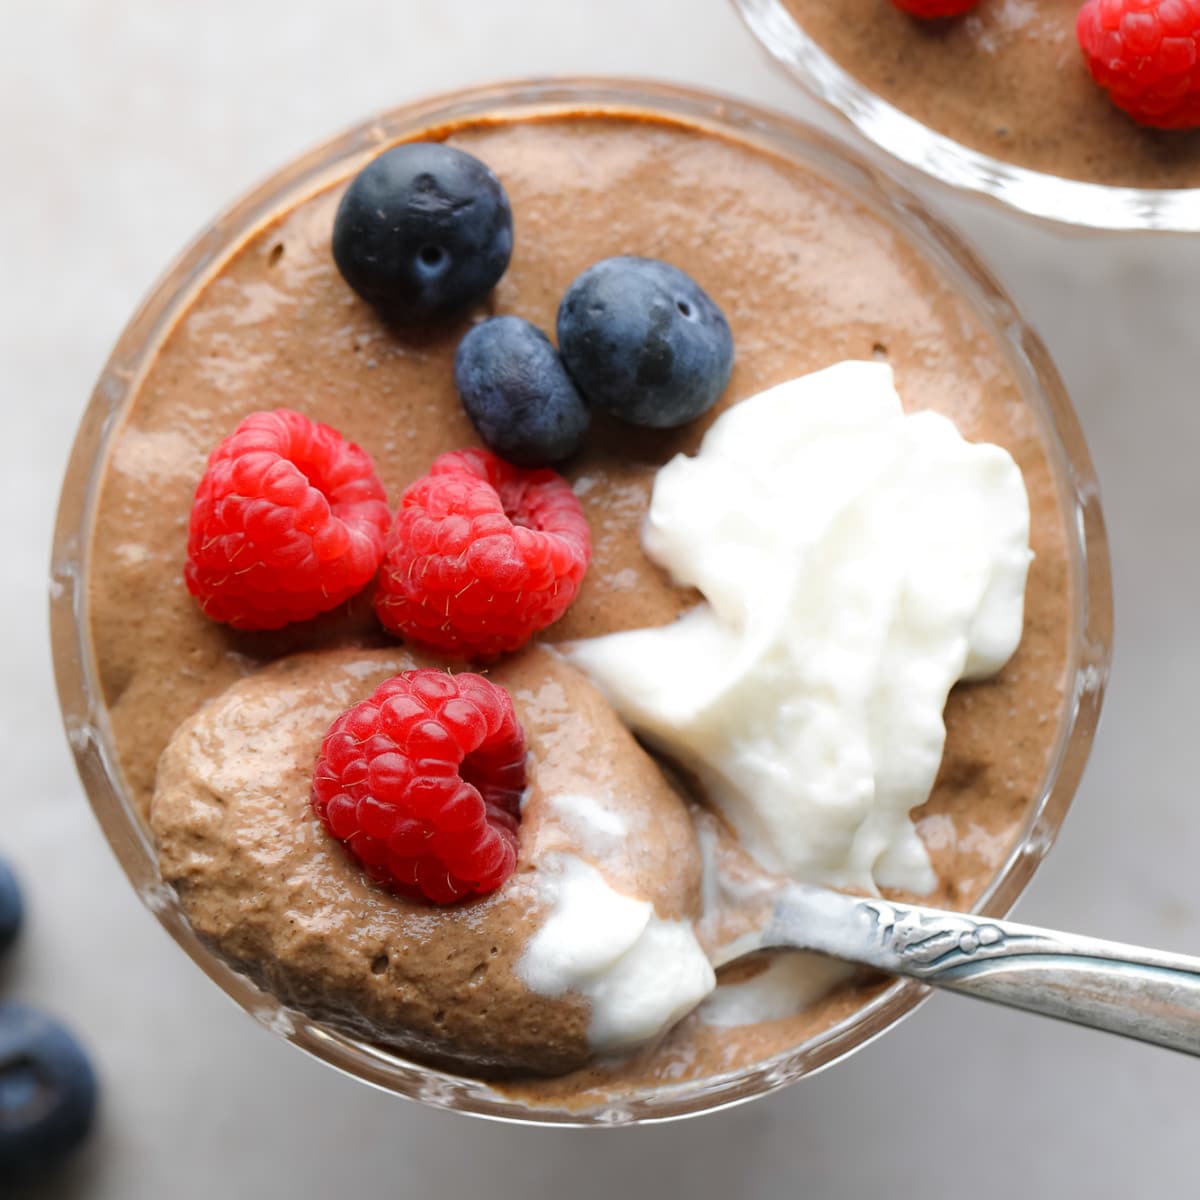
1007	79
806	276
265	883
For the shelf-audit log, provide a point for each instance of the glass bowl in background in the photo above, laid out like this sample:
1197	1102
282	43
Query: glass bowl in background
84	712
1050	197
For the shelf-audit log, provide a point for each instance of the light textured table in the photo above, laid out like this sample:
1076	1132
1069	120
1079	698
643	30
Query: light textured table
125	126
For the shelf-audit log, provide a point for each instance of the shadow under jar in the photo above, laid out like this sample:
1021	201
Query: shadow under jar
815	257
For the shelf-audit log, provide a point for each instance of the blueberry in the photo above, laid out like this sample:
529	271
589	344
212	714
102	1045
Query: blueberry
518	394
644	341
47	1092
422	230
11	909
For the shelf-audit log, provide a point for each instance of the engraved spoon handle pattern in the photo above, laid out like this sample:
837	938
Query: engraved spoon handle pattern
1129	990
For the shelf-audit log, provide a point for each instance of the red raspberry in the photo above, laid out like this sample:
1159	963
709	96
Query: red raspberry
935	8
482	555
1146	54
423	782
289	521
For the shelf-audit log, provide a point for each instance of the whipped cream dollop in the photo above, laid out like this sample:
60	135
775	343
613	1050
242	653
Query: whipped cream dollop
640	972
855	562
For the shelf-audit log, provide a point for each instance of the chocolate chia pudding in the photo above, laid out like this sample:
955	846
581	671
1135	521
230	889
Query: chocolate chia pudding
808	277
296	913
1008	80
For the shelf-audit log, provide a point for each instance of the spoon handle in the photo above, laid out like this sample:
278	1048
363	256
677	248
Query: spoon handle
1129	990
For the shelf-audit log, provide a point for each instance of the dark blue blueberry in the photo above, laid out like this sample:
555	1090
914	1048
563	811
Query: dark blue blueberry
47	1093
11	909
423	230
644	341
518	394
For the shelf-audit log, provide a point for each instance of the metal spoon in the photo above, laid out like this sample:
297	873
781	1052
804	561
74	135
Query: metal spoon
1139	993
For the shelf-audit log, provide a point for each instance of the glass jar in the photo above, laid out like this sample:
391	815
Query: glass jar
1036	193
84	712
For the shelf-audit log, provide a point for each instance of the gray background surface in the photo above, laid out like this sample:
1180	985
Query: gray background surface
124	127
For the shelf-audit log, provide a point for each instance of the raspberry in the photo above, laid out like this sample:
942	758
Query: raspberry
482	555
423	782
935	8
289	521
1146	55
